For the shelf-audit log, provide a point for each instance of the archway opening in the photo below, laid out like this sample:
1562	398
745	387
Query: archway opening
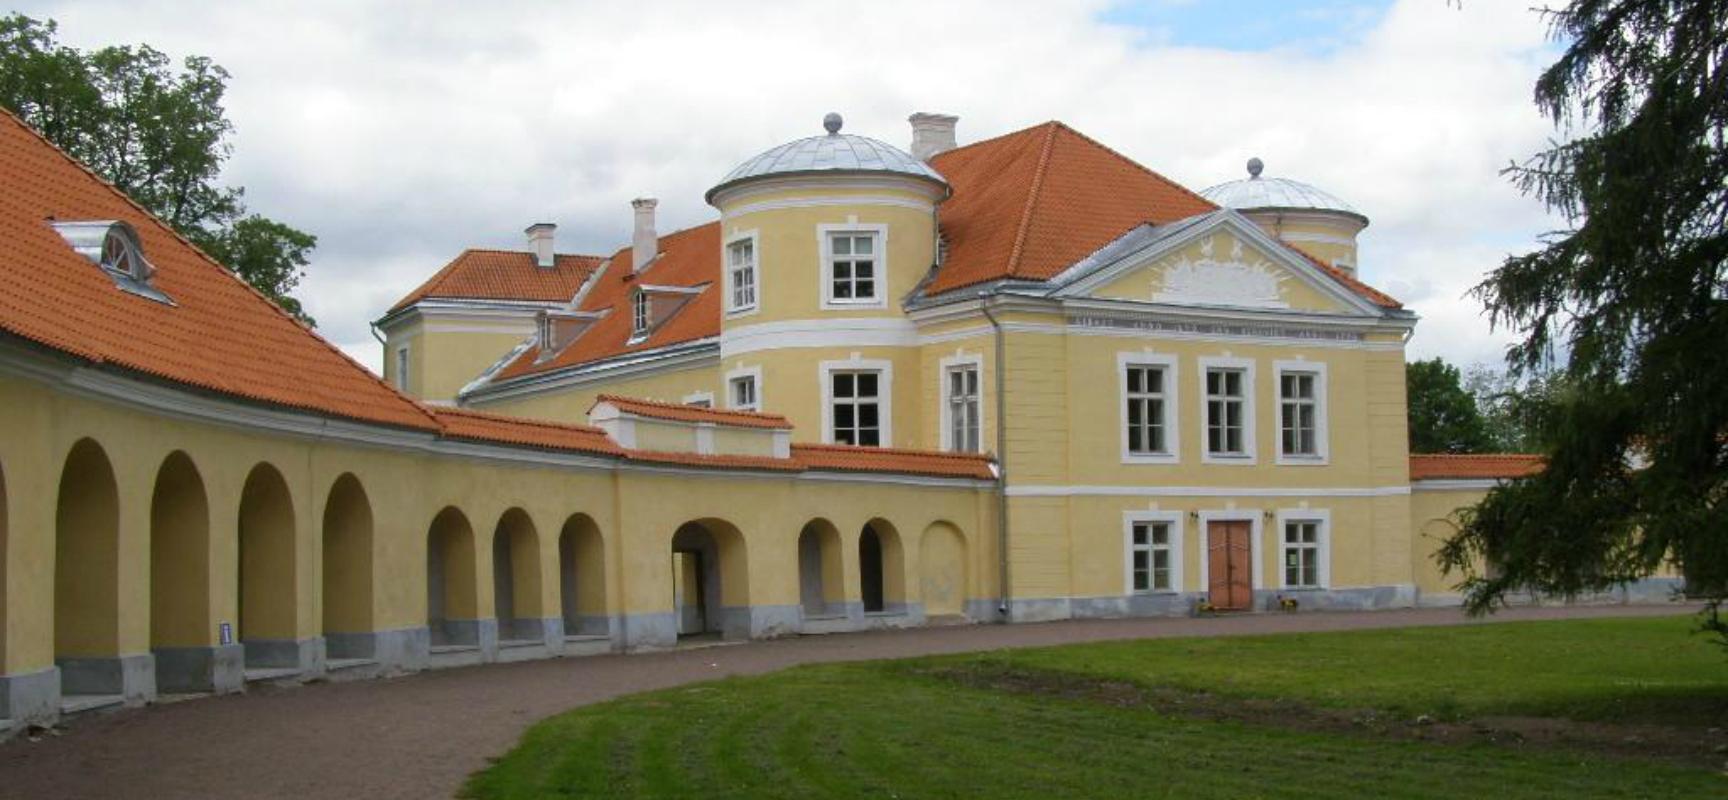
942	571
881	568
267	572
347	592
516	578
180	610
820	580
86	574
582	578
710	580
452	597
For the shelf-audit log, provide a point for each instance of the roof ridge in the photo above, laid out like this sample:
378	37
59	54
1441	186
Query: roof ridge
685	408
497	417
1160	177
467	250
1025	224
222	268
996	138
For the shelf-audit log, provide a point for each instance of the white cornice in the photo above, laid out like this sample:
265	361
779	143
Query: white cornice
1455	484
1026	490
823	332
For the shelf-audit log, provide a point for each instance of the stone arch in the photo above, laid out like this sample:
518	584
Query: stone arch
881	567
711	579
516	595
821	580
268	571
87	574
347	586
183	634
452	590
942	570
582	577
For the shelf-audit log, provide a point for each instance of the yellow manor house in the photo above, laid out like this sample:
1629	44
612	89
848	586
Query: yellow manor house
1022	379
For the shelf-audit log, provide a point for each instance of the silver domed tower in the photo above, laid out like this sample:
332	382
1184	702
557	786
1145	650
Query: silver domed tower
1299	213
832	155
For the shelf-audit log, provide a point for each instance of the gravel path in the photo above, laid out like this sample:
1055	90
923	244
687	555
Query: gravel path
419	736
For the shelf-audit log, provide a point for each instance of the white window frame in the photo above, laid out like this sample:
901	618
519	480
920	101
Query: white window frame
825	275
1322	517
1256	543
1322	429
884	393
733	310
402	368
641	315
693	398
960	360
1172	518
740	373
1250	403
1172	393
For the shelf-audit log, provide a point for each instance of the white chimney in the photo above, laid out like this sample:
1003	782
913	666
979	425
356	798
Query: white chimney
931	134
646	243
540	243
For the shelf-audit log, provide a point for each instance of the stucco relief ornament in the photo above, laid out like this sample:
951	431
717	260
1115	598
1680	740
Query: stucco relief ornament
1233	282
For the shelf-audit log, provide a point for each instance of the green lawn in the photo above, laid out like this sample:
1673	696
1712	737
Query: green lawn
1071	721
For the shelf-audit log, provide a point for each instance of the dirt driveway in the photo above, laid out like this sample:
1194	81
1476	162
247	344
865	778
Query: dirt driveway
419	736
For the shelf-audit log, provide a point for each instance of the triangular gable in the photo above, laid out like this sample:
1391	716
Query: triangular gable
1220	259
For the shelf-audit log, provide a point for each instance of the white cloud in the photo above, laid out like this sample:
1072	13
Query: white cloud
400	134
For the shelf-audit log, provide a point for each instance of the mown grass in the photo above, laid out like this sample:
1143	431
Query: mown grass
899	729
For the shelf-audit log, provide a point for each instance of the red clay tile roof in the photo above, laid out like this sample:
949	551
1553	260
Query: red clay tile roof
1032	203
480	426
1476	466
654	409
505	275
844	458
1367	292
688	258
220	335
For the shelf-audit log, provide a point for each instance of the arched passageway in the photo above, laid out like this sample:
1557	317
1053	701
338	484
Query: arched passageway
942	571
181	624
452	596
347	593
820	579
87	574
267	572
516	578
582	578
710	579
881	568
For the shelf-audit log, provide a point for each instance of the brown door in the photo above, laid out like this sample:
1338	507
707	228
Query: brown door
1229	565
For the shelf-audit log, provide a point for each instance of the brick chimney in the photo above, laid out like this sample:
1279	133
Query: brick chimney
540	243
932	134
646	243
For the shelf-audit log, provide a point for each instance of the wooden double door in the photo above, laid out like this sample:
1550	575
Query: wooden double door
1230	564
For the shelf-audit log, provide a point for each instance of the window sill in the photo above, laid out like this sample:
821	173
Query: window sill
1232	459
1154	593
1302	461
1150	458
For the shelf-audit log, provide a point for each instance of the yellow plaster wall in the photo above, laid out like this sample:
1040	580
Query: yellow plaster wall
1144	283
443	357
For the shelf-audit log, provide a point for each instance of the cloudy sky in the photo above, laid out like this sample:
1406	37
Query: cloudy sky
400	133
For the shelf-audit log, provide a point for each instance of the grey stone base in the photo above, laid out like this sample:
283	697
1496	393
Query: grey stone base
761	622
588	625
1647	590
1364	598
303	655
184	670
984	611
133	676
548	631
396	651
29	697
481	633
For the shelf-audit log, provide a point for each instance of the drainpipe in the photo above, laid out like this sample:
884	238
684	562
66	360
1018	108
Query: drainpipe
1001	455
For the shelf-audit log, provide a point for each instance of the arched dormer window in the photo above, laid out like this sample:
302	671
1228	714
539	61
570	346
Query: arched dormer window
114	246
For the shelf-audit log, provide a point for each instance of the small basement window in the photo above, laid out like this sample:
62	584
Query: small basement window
114	246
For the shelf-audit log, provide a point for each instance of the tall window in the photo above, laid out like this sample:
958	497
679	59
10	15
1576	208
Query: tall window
1298	413
852	270
744	392
963	408
402	368
857	408
639	313
1226	412
1145	409
741	267
1149	555
1302	554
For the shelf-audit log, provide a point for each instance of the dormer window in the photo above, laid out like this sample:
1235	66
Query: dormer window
113	245
640	316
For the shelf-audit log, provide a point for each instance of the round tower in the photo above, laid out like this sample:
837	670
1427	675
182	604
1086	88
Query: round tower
1314	220
821	238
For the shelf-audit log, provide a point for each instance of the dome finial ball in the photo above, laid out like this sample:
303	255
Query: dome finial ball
1255	166
831	122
